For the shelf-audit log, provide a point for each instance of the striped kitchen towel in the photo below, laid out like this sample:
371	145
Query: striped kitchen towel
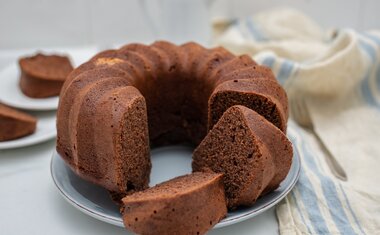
332	78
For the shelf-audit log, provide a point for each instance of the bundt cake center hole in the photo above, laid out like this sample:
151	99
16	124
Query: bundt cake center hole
169	162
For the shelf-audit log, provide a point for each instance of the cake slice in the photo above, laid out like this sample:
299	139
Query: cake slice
43	75
264	96
252	153
189	204
15	124
110	145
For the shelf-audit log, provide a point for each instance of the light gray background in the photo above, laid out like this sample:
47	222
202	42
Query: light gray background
29	203
47	23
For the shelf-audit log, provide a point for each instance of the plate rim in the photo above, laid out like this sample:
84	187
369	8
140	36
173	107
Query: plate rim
40	139
225	222
45	130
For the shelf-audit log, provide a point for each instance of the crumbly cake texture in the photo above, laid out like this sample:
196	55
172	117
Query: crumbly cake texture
252	153
178	93
43	75
15	124
190	204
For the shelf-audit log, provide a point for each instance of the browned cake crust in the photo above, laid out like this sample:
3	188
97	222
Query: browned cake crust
43	75
115	155
178	92
15	124
252	153
190	204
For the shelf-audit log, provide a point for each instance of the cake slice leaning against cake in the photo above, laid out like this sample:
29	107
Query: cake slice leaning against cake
15	124
252	153
189	204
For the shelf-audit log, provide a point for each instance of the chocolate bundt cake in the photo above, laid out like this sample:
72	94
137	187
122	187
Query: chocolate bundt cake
252	153
108	104
190	204
43	75
15	124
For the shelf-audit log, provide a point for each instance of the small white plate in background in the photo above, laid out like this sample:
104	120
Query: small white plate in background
45	131
10	93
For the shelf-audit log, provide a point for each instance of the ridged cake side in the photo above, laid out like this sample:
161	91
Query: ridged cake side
184	89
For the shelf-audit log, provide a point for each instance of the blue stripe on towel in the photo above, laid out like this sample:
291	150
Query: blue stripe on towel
366	90
372	37
308	196
234	22
306	223
330	193
365	85
368	48
285	71
241	27
350	208
256	34
268	61
377	41
378	78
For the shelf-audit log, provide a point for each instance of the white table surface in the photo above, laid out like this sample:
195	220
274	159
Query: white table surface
30	203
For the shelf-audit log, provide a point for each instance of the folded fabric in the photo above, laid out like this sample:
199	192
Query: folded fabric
332	78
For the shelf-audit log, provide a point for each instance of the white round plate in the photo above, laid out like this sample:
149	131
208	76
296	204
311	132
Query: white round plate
168	162
45	130
10	93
